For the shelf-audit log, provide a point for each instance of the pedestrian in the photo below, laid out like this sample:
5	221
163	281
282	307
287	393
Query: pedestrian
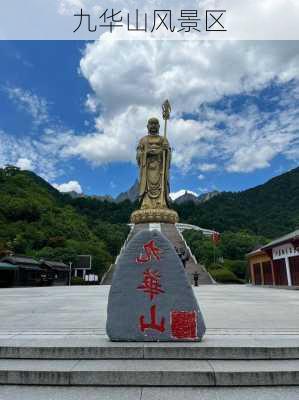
184	257
178	252
195	277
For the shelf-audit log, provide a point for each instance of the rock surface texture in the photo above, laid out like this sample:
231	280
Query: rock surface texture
172	234
150	298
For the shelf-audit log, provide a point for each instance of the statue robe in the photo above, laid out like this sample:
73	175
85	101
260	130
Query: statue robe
154	164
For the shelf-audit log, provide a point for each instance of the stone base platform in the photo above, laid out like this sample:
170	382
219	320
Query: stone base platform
146	216
56	337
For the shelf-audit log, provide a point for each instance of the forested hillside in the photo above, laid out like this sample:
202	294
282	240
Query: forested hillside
37	220
271	209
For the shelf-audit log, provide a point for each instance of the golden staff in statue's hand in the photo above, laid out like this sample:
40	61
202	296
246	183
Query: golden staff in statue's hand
166	109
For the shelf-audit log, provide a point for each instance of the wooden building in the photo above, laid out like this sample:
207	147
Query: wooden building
261	268
8	274
277	263
57	272
27	270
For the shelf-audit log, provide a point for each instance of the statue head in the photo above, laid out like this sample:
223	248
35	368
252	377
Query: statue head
153	126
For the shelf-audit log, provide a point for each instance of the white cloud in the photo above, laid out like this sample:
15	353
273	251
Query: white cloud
91	103
39	155
206	167
71	186
176	195
201	177
24	164
131	87
29	102
253	137
129	82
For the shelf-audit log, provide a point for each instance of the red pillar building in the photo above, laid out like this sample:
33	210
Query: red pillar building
277	263
261	268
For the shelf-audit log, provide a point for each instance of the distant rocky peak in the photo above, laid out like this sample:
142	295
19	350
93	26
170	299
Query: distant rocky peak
180	197
132	194
208	196
191	196
186	197
75	195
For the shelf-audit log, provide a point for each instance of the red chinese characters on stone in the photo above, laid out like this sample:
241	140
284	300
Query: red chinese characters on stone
184	324
151	283
151	286
160	327
150	251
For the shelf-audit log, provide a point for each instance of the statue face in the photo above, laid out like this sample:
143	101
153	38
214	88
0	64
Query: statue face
153	126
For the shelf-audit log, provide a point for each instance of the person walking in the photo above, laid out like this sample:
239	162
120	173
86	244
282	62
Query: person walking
195	277
184	257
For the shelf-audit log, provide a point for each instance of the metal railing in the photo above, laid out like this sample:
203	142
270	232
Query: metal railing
117	258
183	227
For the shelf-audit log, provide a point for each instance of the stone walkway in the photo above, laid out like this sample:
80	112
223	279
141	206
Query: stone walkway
81	311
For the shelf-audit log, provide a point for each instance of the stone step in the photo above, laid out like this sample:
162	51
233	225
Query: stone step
219	349
149	372
203	277
13	392
171	232
107	279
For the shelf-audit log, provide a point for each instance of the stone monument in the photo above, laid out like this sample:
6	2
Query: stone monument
154	158
150	299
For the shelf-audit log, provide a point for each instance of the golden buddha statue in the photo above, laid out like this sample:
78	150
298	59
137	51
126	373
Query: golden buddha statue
154	158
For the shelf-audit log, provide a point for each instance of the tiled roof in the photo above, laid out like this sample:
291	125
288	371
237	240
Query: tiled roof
54	263
20	260
282	239
254	252
7	266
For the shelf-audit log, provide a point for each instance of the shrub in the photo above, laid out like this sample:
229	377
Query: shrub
76	280
214	267
238	267
224	276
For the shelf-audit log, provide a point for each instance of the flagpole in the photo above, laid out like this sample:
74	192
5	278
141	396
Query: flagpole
214	246
215	240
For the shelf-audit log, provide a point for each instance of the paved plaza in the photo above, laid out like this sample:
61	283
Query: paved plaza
237	317
79	313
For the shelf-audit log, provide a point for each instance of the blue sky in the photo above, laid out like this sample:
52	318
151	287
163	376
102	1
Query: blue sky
74	111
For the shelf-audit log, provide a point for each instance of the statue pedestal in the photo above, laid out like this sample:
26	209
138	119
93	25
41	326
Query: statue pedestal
150	215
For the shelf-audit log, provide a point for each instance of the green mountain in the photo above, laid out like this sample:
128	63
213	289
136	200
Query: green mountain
37	220
271	209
